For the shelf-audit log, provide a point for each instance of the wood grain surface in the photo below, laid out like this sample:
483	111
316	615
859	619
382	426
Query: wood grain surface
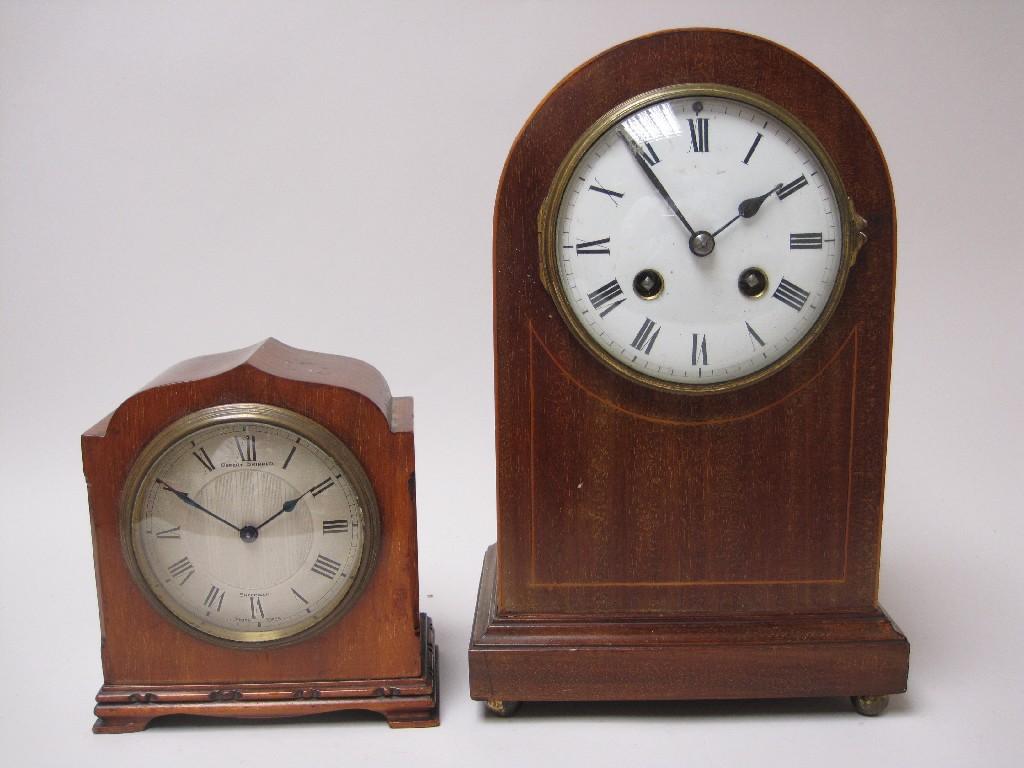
382	637
620	502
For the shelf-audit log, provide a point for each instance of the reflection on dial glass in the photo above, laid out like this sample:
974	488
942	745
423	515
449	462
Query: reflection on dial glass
698	240
248	531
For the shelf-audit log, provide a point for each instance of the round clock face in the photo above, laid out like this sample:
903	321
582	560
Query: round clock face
250	523
696	238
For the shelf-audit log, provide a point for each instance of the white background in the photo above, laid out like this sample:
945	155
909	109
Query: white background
187	178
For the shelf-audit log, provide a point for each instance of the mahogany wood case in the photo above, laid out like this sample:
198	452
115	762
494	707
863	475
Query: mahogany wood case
379	655
657	545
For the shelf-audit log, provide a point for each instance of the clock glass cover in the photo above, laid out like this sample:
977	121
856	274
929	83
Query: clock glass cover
696	238
250	524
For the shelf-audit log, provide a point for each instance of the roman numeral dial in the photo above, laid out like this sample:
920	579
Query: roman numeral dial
695	241
247	528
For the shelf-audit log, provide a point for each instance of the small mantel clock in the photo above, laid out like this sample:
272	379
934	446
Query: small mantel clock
254	532
694	253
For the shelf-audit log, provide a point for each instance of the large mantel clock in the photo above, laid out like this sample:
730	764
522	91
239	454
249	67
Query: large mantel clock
694	255
254	529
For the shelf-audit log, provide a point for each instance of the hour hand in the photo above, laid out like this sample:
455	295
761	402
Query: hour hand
749	208
192	503
638	155
288	506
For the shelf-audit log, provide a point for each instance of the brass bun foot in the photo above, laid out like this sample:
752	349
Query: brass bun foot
502	708
870	706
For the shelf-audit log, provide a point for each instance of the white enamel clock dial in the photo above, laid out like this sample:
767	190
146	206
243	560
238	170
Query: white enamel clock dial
249	531
699	241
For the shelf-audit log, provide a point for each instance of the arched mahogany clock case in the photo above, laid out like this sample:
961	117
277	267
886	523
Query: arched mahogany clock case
379	655
659	545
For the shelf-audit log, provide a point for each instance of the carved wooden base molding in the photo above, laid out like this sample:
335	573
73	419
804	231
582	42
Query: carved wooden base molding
405	702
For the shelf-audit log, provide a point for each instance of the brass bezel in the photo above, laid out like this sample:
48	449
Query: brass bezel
852	230
255	413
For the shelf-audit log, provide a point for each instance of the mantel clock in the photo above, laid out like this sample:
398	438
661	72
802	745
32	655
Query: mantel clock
694	253
254	531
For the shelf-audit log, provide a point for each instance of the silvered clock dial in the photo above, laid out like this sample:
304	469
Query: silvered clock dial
250	524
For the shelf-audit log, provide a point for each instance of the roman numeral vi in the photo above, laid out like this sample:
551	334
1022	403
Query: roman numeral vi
699	356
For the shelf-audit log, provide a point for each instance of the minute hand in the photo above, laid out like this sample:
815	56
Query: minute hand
188	500
638	155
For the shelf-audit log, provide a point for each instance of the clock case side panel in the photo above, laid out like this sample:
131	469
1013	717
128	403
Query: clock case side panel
525	318
378	638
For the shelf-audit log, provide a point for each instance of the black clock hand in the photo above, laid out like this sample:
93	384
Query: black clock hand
185	497
638	155
749	208
288	506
